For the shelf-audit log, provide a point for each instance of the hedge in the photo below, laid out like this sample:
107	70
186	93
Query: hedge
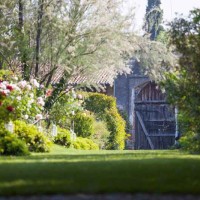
105	109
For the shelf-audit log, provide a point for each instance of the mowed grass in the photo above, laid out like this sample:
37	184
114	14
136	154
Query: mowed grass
65	171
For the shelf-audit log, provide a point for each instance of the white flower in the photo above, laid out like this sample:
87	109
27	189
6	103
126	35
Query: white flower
15	87
71	49
42	86
31	95
3	86
15	78
22	84
30	101
19	98
35	83
5	82
28	105
73	54
28	87
40	101
6	91
25	116
74	95
79	96
39	116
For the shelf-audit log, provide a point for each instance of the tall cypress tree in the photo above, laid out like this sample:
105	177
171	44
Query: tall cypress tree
153	18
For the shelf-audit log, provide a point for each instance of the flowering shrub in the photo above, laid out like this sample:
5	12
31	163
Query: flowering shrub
63	110
18	100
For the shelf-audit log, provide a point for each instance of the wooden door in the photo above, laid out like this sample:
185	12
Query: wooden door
154	118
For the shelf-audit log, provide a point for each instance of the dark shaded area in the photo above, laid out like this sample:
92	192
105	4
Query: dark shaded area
122	173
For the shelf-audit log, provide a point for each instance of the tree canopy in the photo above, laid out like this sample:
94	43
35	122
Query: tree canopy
43	36
183	86
59	39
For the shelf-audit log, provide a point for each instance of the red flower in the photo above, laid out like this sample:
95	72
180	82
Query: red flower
49	93
10	108
3	94
9	87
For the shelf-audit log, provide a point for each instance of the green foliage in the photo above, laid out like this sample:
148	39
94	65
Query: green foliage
153	18
116	126
6	75
85	144
155	59
61	112
190	142
35	140
63	137
11	145
105	109
125	117
99	103
83	124
182	86
59	39
101	134
163	37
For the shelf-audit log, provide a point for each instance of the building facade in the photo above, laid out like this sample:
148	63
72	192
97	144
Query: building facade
152	119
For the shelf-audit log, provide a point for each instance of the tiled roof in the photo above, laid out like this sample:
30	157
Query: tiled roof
100	77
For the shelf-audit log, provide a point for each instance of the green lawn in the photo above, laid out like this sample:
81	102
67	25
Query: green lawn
70	171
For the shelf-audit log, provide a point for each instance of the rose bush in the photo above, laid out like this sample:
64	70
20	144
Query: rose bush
18	100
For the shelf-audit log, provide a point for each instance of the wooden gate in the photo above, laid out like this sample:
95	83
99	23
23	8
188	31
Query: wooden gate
154	118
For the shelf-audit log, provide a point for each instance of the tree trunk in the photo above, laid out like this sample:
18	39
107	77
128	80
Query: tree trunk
60	87
1	64
38	36
50	77
22	45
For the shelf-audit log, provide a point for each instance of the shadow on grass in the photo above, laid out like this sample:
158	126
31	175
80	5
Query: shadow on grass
64	171
64	174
